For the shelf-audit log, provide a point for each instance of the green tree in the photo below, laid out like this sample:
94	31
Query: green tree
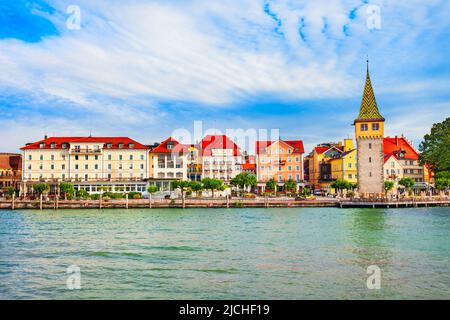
67	188
212	184
408	183
442	180
272	185
435	147
388	186
182	185
41	188
341	185
244	180
290	185
10	191
196	186
151	190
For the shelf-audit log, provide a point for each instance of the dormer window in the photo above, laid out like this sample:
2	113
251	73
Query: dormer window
170	145
64	146
131	145
53	145
42	145
120	145
109	145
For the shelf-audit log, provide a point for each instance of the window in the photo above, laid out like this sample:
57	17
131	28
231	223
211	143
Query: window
76	167
131	157
109	157
142	157
109	166
350	176
120	157
86	157
131	166
120	166
289	168
370	159
64	145
76	157
53	145
41	145
290	177
41	167
370	145
350	165
170	145
364	127
29	167
96	167
375	126
96	157
63	157
297	177
142	166
41	157
63	167
52	167
63	176
370	174
131	145
297	159
120	145
289	159
262	168
30	157
297	168
392	164
86	167
109	145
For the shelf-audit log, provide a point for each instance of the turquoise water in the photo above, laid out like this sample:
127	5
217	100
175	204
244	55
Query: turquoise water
295	253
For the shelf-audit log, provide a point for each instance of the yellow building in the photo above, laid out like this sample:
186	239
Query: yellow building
343	166
90	163
329	162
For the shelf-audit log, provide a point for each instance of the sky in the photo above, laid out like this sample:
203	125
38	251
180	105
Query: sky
150	69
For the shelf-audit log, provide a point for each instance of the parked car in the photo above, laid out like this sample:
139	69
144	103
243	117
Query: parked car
317	192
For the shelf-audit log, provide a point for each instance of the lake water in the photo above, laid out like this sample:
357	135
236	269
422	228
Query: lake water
292	253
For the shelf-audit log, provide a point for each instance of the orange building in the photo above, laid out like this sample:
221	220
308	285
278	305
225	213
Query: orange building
10	170
281	160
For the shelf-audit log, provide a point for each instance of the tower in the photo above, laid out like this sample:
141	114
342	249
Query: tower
369	132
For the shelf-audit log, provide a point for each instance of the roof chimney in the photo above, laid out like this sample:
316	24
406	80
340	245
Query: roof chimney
45	136
396	140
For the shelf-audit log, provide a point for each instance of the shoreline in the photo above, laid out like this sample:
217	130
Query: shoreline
216	203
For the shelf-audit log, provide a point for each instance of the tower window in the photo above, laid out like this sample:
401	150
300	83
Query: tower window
370	159
375	126
370	145
364	127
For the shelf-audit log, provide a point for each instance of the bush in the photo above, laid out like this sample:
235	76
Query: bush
134	195
112	195
95	196
82	194
249	195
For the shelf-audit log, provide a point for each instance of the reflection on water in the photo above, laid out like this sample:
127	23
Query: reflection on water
297	253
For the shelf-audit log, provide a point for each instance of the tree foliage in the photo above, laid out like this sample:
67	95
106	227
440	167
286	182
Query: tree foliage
41	188
290	185
153	189
213	184
435	147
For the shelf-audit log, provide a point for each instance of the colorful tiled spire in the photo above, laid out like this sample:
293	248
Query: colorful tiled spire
369	109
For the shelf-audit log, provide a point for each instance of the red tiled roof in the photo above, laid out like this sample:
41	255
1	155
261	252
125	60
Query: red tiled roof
296	144
395	146
248	166
58	141
177	147
218	142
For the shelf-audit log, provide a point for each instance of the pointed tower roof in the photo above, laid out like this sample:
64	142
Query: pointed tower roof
369	109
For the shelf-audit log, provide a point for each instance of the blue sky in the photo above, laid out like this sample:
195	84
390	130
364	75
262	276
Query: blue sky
146	68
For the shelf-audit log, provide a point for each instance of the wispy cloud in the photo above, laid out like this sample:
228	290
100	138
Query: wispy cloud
149	66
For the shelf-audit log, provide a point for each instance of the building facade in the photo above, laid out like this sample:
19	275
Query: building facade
369	132
280	160
221	158
10	171
169	160
90	163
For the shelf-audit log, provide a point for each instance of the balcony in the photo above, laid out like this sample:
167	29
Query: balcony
85	151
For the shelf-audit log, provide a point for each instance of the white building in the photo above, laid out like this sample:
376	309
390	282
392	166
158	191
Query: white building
221	158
